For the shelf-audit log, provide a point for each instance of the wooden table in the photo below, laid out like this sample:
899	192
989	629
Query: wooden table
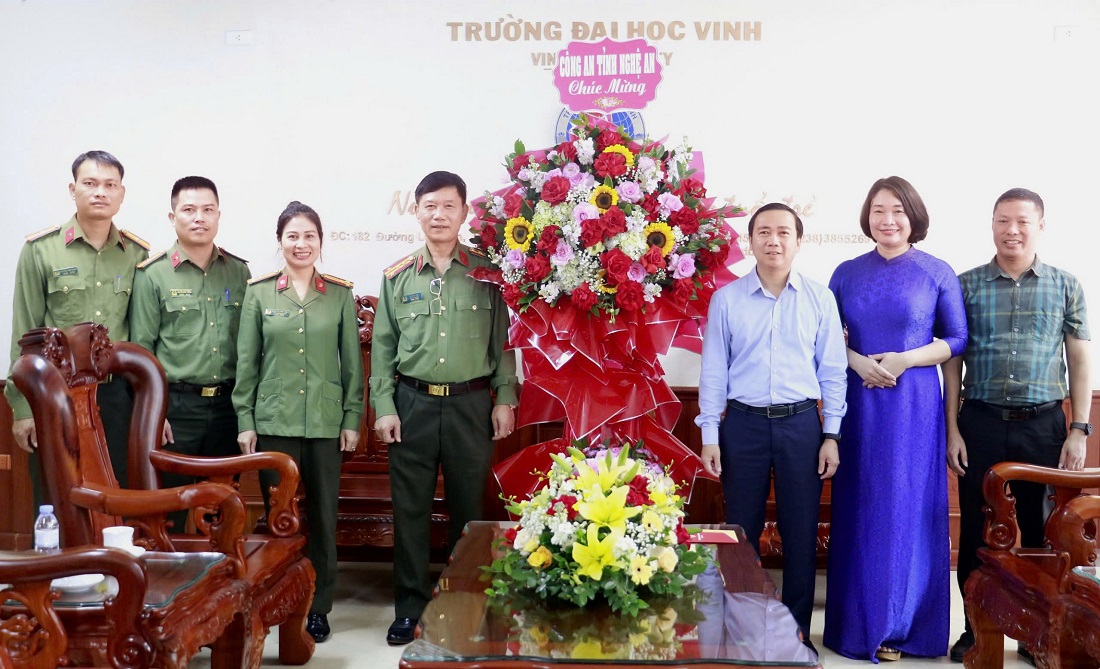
190	599
734	618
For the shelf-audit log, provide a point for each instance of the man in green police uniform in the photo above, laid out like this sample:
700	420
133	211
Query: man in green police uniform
437	359
186	310
77	272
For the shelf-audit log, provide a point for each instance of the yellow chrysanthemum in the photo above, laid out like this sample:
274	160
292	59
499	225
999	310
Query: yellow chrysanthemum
659	234
604	197
623	151
640	570
517	234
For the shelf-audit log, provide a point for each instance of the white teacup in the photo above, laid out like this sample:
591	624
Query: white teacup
119	536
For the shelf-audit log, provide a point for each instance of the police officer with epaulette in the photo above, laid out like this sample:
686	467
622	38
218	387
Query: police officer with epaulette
77	272
442	386
186	310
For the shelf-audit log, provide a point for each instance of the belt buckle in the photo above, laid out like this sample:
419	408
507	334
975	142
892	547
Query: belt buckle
210	391
439	389
780	413
1014	414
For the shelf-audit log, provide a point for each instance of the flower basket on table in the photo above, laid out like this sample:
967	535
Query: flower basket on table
606	525
608	250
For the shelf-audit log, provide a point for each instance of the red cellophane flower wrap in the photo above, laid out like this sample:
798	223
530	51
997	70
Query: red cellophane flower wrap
608	251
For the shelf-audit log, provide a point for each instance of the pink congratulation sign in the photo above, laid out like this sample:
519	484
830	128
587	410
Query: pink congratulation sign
607	75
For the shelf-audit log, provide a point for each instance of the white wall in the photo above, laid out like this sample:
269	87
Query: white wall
342	104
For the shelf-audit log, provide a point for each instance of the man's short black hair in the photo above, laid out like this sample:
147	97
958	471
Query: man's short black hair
193	183
1024	195
776	206
438	181
99	157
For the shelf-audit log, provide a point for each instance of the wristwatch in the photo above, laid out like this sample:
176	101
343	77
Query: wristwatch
831	435
1084	427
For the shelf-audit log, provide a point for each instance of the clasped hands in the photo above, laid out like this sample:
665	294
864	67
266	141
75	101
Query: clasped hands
880	370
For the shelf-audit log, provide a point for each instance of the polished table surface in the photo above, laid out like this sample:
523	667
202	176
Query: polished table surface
731	618
167	575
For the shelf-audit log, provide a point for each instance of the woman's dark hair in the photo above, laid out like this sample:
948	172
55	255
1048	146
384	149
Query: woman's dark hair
296	208
910	201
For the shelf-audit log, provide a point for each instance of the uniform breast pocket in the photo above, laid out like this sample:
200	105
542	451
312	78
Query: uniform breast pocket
412	323
182	316
68	300
269	400
233	317
475	314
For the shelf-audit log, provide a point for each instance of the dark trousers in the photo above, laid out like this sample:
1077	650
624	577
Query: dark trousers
205	426
116	403
754	448
990	440
454	433
319	461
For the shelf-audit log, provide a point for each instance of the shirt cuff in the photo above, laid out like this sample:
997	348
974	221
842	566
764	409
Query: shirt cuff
831	424
710	434
507	395
246	423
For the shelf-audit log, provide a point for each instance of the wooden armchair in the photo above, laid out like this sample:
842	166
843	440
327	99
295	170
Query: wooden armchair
281	579
36	639
1024	592
59	373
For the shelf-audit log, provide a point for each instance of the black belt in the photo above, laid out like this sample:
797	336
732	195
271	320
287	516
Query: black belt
445	389
1015	413
215	390
776	410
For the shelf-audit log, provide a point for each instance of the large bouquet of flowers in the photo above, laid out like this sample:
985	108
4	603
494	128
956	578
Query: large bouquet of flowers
608	523
605	222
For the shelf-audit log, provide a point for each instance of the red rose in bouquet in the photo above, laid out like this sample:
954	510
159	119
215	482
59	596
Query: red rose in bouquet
686	219
592	232
548	241
555	190
692	187
631	296
616	264
651	206
512	294
614	221
653	260
538	268
513	205
584	298
682	290
610	165
519	162
488	235
608	138
567	150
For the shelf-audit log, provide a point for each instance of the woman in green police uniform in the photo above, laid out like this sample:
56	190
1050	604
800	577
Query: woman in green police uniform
300	384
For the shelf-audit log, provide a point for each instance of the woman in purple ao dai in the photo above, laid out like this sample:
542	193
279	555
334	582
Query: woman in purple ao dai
889	561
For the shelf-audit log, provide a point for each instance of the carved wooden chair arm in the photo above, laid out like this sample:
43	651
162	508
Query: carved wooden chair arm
1001	528
29	576
1072	530
150	506
283	519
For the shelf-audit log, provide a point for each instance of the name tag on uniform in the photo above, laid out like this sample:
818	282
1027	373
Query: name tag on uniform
412	297
281	313
180	292
66	271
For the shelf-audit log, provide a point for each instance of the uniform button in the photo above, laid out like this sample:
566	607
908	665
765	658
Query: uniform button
98	284
302	391
473	308
215	349
442	308
301	311
211	323
98	313
1011	376
215	377
1015	329
301	350
183	309
209	299
442	360
301	371
64	289
236	304
301	330
1014	353
442	334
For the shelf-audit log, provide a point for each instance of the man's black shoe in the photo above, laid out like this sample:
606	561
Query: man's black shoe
961	646
317	626
1025	655
401	631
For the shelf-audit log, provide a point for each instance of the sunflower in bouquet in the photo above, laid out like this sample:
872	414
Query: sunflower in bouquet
607	524
603	222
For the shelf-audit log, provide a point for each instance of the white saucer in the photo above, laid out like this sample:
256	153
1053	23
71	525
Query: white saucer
77	583
136	551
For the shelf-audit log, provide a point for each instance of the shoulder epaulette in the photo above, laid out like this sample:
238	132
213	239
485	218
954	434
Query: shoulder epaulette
135	239
265	277
42	233
232	255
151	259
479	252
337	280
399	266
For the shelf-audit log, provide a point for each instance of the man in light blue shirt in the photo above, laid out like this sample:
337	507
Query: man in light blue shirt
773	347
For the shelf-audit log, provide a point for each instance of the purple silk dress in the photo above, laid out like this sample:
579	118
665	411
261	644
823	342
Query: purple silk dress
889	549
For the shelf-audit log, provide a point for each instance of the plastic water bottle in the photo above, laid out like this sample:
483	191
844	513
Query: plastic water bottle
47	532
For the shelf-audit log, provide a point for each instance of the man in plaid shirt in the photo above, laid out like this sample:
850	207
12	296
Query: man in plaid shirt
1021	315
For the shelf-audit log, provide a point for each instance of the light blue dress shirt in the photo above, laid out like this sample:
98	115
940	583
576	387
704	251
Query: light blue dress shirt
760	349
